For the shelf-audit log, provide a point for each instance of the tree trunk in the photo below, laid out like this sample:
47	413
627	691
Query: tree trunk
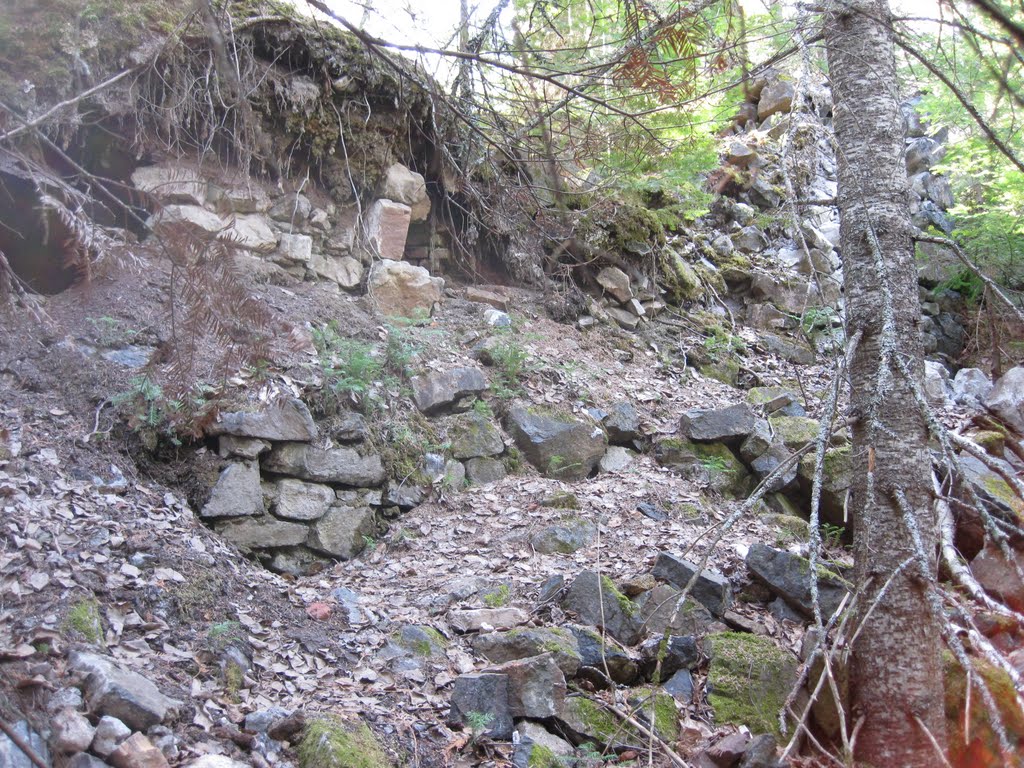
896	675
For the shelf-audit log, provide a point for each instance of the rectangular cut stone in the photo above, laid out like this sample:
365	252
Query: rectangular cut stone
387	226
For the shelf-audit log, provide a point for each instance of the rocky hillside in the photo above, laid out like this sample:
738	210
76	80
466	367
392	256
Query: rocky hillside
282	486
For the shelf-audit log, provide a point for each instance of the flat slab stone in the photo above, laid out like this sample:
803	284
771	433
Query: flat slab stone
286	420
341	466
478	619
262	532
729	424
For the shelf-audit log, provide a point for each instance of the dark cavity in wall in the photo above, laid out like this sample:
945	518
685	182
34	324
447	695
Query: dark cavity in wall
38	245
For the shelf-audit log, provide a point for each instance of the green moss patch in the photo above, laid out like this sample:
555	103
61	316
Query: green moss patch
749	680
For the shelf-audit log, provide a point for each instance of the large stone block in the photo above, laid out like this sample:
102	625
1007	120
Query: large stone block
237	492
341	466
557	444
403	290
121	693
387	227
286	420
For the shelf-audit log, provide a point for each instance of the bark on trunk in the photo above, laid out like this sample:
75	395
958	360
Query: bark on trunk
896	676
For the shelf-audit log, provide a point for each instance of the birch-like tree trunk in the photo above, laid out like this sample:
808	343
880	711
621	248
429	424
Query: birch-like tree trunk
896	675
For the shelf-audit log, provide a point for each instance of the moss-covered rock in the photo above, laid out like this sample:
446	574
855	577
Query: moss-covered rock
982	751
330	742
795	431
749	680
421	640
648	700
711	463
681	279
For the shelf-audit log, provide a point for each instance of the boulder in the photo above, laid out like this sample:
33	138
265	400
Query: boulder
387	227
120	693
788	349
109	733
680	686
294	249
492	299
241	447
603	653
596	600
558	444
971	385
536	686
237	493
793	294
675	652
999	577
482	471
536	748
171	184
292	209
786	575
500	647
750	240
137	751
251	231
769	461
474	435
616	284
837	476
1006	400
662	610
341	466
72	732
623	318
777	97
622	422
795	432
727	425
196	219
936	384
346	271
616	459
749	680
922	154
564	537
298	500
484	694
403	290
710	464
262	532
712	589
585	721
455	389
407	187
284	420
343	531
249	199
